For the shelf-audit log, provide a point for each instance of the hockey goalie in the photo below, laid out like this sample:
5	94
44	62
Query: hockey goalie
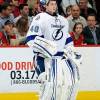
56	60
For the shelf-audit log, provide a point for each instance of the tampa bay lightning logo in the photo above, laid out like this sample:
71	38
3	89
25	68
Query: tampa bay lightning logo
57	34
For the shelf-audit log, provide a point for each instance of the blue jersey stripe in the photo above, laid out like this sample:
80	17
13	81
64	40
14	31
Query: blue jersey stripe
59	54
68	40
32	37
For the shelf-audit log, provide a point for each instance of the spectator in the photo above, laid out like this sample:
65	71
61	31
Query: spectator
15	7
75	17
97	5
5	14
68	10
31	3
66	3
91	32
85	10
7	34
77	35
22	26
24	12
38	7
20	31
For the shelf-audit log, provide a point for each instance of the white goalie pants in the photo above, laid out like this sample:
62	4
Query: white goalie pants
62	76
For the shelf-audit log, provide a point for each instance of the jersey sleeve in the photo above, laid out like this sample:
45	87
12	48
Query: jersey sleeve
34	30
69	40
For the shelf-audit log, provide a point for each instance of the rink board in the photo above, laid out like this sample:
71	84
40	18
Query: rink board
89	73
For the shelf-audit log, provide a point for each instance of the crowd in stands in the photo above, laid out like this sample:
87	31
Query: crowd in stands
16	17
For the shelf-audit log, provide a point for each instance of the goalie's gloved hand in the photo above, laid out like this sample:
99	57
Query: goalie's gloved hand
73	55
77	55
78	58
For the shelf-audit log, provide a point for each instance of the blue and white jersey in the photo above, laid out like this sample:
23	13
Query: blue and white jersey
54	28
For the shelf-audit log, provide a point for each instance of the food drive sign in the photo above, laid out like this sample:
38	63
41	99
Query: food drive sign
17	70
8	65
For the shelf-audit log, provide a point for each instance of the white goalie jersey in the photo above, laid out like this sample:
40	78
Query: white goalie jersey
48	37
49	34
